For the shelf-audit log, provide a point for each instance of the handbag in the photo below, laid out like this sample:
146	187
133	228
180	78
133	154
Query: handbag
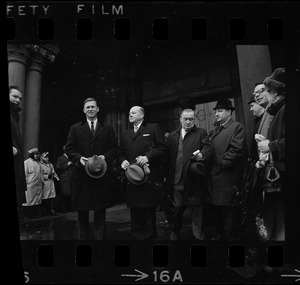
271	179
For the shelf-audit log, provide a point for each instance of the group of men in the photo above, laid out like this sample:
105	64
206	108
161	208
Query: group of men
199	169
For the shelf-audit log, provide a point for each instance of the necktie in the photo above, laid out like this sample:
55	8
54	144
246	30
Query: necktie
92	127
135	129
219	128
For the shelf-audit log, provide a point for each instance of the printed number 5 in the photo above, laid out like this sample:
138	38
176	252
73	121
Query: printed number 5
26	276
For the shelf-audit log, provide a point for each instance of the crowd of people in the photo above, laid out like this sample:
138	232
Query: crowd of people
189	167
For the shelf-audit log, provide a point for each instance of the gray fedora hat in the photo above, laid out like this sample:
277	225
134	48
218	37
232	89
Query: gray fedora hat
136	174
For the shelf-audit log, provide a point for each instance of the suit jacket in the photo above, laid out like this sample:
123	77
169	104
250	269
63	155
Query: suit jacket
148	141
64	172
91	193
194	188
227	167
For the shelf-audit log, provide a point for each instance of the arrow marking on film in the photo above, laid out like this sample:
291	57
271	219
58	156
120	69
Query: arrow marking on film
140	276
292	275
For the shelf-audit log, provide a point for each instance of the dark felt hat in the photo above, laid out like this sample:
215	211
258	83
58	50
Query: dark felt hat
196	168
224	104
95	166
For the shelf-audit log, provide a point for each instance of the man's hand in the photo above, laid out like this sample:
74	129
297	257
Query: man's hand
259	138
125	164
263	146
101	156
15	151
146	169
197	155
83	160
142	160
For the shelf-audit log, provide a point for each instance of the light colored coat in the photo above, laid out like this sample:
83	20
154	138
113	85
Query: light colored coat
48	186
34	179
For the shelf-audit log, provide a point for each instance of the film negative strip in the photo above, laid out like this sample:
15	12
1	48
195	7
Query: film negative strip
182	199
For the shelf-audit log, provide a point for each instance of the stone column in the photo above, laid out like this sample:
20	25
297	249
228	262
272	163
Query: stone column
39	56
254	65
17	61
32	102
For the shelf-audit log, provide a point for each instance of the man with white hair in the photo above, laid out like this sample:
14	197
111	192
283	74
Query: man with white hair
188	148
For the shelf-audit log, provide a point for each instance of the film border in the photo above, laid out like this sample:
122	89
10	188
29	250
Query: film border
291	41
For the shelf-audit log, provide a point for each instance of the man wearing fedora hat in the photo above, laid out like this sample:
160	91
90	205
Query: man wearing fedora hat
142	149
92	147
226	169
189	150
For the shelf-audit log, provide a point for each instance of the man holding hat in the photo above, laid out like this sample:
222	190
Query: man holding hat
142	149
92	147
189	150
227	168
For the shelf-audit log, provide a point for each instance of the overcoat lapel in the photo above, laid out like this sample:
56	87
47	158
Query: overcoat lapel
86	129
140	130
99	130
220	128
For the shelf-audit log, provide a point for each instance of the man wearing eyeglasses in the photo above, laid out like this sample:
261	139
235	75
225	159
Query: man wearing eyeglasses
252	192
258	99
259	95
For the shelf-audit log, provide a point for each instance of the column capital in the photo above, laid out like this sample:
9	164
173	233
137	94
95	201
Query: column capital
41	54
47	51
17	52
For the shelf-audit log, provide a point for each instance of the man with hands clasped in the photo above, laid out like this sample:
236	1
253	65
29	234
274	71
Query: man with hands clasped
142	145
91	139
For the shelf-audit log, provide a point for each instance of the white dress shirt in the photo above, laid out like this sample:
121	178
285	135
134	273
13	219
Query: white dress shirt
95	123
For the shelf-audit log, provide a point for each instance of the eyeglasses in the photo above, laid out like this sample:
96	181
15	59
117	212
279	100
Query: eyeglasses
259	91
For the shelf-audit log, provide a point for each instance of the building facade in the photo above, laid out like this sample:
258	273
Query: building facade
161	77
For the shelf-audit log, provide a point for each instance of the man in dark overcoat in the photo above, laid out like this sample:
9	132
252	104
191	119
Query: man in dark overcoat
143	144
15	97
227	168
64	169
86	139
187	144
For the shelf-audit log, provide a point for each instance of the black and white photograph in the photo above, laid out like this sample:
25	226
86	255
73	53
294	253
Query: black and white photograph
154	129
